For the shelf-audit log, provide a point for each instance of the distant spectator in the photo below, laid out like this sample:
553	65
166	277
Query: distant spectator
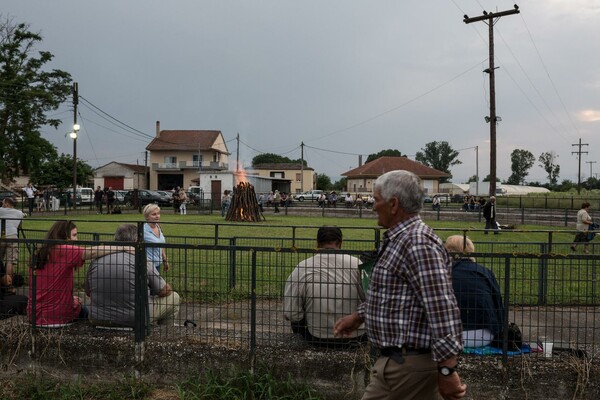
98	199
261	201
435	203
110	200
110	283
349	200
333	198
182	202
12	220
583	224
176	200
30	193
276	201
225	203
489	213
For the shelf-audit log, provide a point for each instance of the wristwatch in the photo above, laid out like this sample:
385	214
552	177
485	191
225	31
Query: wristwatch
447	371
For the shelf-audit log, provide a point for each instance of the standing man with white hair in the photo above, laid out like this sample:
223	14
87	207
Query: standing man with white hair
410	312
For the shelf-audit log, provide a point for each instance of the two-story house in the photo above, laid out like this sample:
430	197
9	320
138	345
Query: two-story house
182	157
362	179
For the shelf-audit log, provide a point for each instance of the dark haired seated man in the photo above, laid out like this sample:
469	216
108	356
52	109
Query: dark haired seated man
321	289
10	302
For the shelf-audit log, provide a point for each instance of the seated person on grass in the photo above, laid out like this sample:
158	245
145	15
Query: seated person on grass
322	289
110	283
11	303
477	293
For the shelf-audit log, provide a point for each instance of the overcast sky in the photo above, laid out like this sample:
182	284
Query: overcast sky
346	77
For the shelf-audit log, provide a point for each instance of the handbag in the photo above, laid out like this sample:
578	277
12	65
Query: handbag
515	338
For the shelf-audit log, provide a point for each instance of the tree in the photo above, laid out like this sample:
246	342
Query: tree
323	182
472	179
341	185
547	161
59	172
270	158
384	153
439	155
27	93
521	163
488	178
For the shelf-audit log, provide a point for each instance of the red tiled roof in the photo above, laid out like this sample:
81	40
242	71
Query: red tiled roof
184	140
382	165
136	167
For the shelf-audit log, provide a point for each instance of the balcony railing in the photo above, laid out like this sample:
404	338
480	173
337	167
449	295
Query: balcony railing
212	165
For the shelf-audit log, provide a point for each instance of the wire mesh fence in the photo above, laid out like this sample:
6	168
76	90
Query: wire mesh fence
231	290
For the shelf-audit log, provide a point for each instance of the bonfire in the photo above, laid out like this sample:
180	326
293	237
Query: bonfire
244	205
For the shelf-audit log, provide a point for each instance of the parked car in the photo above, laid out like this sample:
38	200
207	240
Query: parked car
87	195
120	196
7	194
312	195
147	197
165	193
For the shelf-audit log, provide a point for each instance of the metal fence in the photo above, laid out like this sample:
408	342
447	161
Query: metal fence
231	289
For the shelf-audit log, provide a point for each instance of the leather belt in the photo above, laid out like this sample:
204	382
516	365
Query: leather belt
398	353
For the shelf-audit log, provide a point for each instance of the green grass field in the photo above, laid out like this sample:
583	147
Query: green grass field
217	274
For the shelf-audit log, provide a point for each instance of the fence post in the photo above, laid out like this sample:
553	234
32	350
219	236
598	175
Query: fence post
252	355
543	276
216	234
232	262
566	217
141	328
506	308
522	215
293	236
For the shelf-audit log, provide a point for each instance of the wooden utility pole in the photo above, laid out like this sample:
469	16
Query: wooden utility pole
74	136
490	19
302	167
579	153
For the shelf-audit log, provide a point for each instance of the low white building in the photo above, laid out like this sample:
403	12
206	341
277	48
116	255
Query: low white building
121	176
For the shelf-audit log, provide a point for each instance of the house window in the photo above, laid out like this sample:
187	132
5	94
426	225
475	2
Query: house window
197	160
217	157
277	174
298	177
170	162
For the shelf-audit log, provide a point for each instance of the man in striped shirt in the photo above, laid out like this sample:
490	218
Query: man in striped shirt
410	312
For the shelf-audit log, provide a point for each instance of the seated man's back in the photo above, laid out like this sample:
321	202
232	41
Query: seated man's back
321	290
110	283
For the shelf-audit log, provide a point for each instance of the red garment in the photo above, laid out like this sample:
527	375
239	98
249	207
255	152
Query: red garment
54	286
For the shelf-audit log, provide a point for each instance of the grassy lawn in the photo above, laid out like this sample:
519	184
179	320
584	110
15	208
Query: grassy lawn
212	274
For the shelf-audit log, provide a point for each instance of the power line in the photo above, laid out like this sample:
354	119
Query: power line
397	107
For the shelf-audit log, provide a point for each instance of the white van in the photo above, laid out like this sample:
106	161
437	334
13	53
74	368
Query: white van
87	195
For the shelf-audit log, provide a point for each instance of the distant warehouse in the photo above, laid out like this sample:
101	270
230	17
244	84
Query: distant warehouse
504	190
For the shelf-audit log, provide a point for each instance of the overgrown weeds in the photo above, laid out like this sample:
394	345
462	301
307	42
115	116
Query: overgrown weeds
263	384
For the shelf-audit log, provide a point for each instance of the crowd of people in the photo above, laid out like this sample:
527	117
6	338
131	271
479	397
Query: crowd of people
110	281
421	308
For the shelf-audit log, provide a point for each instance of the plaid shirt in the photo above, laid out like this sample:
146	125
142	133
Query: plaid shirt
410	301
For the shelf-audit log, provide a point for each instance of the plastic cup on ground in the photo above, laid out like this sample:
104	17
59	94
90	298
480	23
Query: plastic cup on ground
547	346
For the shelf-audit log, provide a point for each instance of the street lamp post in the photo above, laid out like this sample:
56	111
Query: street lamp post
74	137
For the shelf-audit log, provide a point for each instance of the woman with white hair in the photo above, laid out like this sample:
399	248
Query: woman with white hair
153	234
477	293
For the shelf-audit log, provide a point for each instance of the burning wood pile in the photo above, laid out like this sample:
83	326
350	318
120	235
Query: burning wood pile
244	205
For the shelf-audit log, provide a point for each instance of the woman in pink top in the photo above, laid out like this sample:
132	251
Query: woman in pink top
52	271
